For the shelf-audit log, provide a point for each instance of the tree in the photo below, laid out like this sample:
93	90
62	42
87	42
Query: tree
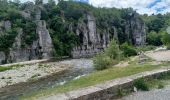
154	38
166	40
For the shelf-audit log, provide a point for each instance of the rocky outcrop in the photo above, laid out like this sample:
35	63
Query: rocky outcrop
7	25
42	48
44	41
135	29
2	57
91	42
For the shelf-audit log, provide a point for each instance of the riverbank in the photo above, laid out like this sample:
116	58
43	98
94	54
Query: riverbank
33	77
97	78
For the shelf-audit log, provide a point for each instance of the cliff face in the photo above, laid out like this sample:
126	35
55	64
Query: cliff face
80	31
135	30
42	48
93	42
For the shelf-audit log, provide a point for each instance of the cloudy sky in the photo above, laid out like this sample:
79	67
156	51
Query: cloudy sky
141	6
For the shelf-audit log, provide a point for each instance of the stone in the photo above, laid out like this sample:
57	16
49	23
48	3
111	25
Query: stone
2	57
45	41
91	40
7	25
135	29
26	14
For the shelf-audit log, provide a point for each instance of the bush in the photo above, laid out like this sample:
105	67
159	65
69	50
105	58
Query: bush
101	61
113	50
109	57
141	84
154	38
160	86
128	50
166	40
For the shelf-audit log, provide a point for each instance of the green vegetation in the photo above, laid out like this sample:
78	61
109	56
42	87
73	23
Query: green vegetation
63	19
156	27
128	50
166	40
109	57
96	78
141	84
122	92
4	68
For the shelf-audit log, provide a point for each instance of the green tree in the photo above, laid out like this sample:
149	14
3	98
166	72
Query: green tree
154	38
166	40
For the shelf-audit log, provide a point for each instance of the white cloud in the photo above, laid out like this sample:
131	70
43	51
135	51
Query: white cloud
140	5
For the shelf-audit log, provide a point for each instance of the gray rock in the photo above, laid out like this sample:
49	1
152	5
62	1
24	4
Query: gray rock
2	57
7	25
45	41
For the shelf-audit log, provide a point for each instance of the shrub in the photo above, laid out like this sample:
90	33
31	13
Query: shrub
101	61
121	92
141	84
113	50
128	50
160	86
109	57
154	38
166	40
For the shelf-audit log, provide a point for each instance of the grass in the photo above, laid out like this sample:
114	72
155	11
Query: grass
95	78
4	68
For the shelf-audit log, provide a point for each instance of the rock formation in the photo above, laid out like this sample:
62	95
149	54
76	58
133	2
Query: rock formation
135	29
42	48
92	42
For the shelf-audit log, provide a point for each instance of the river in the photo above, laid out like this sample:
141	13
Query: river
81	68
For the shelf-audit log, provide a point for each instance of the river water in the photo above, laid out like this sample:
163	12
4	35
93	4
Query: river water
82	67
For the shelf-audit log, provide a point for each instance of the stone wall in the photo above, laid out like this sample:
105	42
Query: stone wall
108	90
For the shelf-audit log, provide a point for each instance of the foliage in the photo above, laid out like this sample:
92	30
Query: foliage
4	68
101	61
141	84
62	20
109	57
113	50
128	50
154	38
166	40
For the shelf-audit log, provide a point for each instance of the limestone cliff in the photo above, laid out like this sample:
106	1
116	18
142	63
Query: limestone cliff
93	42
42	48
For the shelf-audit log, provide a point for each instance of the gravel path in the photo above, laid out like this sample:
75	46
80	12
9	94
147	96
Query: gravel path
158	94
159	55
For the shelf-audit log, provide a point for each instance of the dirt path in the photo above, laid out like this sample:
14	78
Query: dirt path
159	55
159	94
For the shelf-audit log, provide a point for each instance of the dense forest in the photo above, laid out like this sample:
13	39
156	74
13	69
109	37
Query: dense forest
61	16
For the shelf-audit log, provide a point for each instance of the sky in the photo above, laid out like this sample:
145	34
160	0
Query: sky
141	6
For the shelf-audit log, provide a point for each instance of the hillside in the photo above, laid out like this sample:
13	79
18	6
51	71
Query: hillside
40	31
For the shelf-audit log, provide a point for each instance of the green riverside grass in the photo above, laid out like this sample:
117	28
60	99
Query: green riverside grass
95	78
4	68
